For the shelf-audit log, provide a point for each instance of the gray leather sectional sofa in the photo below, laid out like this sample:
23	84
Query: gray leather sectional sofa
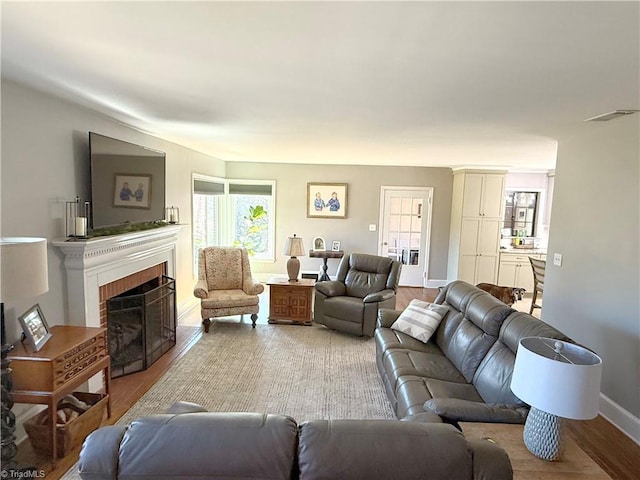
199	445
464	372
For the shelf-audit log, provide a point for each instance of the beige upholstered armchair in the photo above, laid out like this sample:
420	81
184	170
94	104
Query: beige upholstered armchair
225	286
364	283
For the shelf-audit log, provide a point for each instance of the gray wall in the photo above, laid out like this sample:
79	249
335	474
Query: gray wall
363	208
45	162
595	224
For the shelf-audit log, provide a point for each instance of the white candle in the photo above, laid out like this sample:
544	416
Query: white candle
172	217
81	226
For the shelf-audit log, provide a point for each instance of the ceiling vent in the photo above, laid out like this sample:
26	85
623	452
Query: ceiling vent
605	117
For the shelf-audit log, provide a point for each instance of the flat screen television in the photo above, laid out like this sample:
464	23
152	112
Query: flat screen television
127	182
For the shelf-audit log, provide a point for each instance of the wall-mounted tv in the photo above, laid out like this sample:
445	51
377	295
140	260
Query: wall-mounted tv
127	182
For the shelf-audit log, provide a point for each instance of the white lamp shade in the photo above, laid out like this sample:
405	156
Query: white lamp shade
566	384
294	247
23	261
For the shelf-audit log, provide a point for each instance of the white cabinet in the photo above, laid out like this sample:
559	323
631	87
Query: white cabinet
476	217
483	195
515	270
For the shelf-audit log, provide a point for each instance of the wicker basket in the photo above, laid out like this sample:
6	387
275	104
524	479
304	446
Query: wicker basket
72	434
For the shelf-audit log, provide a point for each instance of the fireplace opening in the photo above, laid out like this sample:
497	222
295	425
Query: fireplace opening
141	325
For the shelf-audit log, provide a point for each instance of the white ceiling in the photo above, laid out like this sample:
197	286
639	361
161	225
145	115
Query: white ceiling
415	83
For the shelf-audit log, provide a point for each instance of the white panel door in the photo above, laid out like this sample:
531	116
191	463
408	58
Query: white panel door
405	217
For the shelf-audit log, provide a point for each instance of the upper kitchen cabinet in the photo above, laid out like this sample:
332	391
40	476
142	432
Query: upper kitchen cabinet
483	195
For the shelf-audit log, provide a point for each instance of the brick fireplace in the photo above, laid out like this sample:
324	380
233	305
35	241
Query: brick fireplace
97	262
125	284
97	268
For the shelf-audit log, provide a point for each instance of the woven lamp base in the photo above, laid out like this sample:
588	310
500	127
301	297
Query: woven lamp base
543	434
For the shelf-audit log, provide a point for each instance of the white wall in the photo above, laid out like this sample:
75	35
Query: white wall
45	162
594	296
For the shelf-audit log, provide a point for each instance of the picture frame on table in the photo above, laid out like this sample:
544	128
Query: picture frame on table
132	190
335	246
327	200
319	244
35	328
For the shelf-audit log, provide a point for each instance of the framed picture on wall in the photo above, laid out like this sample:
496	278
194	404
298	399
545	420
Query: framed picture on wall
132	190
326	200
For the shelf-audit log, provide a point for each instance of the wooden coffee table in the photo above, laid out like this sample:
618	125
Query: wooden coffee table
574	463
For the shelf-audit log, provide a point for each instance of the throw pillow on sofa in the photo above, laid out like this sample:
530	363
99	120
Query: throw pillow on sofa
420	319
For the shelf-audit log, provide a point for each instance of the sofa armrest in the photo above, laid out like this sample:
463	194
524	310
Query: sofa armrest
201	289
457	410
331	288
490	461
379	296
100	453
387	316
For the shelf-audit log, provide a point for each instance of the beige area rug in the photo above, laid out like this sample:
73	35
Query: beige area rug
305	372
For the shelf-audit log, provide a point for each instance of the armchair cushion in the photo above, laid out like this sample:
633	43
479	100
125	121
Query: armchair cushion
420	319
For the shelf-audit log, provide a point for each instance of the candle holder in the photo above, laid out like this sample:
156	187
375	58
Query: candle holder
172	214
77	218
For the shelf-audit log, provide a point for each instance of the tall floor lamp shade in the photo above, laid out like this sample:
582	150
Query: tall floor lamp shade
559	380
23	274
293	248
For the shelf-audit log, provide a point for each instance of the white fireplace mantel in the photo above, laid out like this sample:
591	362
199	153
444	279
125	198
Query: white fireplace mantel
95	262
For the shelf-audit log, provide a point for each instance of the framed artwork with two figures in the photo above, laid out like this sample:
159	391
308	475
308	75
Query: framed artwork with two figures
326	200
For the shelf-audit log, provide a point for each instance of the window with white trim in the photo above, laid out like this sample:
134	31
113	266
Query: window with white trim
234	213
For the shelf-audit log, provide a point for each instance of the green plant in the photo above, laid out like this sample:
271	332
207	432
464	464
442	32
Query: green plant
250	234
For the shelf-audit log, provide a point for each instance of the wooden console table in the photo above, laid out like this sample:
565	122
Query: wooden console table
574	463
70	357
291	301
325	255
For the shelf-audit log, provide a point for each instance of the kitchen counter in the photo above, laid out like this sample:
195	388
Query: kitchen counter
524	251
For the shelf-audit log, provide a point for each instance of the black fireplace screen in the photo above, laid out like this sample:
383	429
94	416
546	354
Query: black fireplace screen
142	325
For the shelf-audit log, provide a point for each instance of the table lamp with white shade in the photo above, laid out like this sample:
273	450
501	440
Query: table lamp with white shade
558	380
24	274
293	248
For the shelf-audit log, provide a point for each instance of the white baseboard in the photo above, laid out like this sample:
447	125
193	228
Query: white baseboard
436	283
621	418
185	307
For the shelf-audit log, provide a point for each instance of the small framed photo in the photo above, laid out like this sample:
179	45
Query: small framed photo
319	245
36	330
326	200
132	190
335	246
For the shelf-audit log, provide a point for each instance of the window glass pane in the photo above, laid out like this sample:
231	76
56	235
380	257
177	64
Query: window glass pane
251	223
206	221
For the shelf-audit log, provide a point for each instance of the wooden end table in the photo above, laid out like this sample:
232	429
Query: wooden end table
325	255
70	358
291	302
574	462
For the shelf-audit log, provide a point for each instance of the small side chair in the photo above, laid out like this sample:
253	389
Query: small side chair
225	285
538	267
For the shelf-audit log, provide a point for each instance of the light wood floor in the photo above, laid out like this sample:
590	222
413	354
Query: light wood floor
616	453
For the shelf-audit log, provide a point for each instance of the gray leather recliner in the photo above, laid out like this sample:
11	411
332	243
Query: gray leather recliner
364	283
